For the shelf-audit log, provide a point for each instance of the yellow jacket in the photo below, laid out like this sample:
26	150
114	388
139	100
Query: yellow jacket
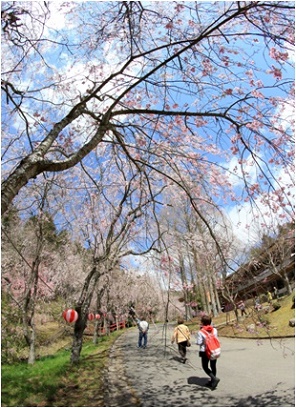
181	333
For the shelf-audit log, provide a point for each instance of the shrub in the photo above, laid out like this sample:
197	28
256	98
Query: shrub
276	306
263	321
263	298
12	336
249	303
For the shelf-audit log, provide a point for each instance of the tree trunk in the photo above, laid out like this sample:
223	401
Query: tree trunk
98	307
32	354
206	304
105	327
212	296
82	310
217	300
96	336
184	284
287	283
236	312
29	334
79	328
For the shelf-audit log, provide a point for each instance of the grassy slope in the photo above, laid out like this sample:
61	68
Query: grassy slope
278	322
53	381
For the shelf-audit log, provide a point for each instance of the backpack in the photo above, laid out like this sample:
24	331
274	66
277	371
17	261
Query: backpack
213	347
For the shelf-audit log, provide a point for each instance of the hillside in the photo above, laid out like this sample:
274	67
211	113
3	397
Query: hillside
263	324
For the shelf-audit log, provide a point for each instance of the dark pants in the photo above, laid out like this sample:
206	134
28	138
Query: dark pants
182	348
142	338
205	365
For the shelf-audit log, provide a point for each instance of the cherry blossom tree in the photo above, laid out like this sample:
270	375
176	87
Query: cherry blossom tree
194	265
24	276
132	287
146	296
174	87
139	97
111	218
40	266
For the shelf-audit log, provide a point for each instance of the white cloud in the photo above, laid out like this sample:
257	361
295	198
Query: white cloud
286	113
245	220
251	219
236	177
58	14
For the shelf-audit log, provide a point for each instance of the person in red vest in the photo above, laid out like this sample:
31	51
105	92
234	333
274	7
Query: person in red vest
201	341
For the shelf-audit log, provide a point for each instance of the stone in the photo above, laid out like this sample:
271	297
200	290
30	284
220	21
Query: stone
292	322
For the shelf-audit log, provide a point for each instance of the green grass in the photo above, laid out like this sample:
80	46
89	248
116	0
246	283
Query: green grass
20	381
39	384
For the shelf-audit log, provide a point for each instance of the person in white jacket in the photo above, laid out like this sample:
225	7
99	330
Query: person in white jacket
143	327
201	341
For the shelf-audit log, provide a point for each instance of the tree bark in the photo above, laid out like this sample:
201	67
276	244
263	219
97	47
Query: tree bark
82	310
32	352
287	283
79	328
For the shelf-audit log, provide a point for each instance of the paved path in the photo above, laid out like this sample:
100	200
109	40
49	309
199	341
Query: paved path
252	374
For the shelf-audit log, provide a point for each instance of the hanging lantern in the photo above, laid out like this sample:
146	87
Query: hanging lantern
98	316
70	315
91	316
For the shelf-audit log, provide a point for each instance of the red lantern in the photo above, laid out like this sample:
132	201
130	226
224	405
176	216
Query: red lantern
91	316
98	316
70	315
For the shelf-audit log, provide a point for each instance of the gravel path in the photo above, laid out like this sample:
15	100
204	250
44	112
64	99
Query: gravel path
252	374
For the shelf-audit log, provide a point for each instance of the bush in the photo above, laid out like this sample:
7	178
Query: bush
249	303
264	321
263	298
12	336
276	306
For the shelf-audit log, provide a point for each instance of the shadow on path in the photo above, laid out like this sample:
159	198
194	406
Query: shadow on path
155	377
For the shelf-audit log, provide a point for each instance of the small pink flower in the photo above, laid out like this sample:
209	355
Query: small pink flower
277	73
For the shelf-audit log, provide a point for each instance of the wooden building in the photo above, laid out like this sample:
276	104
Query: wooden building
272	268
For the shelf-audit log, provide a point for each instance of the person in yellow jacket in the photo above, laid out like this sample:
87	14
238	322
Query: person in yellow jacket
181	336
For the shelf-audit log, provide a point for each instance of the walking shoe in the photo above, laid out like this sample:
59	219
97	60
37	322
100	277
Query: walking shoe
215	383
208	384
